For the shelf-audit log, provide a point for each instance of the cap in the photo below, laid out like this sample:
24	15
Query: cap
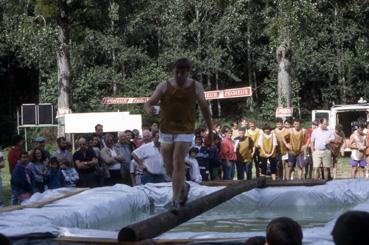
40	139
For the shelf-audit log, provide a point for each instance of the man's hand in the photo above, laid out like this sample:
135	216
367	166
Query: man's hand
149	109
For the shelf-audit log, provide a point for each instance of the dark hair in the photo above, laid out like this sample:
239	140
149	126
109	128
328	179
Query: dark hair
288	120
234	123
198	137
278	120
154	134
4	240
256	240
24	153
98	125
16	139
315	123
266	127
60	139
243	129
226	129
285	231
351	228
297	120
183	64
322	120
193	149
54	160
33	154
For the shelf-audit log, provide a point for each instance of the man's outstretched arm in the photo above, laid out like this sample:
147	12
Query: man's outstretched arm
155	98
204	107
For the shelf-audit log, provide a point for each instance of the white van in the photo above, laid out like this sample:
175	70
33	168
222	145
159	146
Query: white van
346	115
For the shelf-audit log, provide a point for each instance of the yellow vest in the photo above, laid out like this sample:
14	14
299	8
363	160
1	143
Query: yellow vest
267	145
297	140
244	150
280	134
254	135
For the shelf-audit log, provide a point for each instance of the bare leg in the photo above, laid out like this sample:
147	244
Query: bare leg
291	172
280	169
286	170
178	177
167	152
315	173
299	172
353	172
326	173
334	167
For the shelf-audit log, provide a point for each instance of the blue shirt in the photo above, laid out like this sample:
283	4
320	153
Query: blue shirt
319	137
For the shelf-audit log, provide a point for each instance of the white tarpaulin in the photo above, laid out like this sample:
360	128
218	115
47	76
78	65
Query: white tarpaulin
111	208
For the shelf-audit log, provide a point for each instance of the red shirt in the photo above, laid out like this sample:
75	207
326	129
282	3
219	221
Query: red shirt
13	157
227	149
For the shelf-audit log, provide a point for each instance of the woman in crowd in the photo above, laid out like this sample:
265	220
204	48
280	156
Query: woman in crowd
38	167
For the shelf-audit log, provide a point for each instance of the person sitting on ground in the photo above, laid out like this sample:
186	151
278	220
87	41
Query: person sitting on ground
54	177
357	144
111	160
85	162
70	174
193	166
268	144
351	228
22	180
283	231
38	167
150	161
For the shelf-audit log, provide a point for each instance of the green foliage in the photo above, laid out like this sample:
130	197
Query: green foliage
267	109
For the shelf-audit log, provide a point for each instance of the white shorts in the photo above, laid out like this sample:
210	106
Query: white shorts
171	138
285	156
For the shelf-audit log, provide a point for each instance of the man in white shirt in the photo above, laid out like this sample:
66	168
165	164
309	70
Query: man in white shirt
149	159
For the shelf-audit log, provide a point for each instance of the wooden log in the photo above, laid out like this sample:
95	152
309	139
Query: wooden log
161	223
154	226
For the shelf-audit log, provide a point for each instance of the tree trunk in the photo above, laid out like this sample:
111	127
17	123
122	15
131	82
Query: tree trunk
284	75
218	101
209	88
249	100
64	68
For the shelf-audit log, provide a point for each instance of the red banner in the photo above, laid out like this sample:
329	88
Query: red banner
209	95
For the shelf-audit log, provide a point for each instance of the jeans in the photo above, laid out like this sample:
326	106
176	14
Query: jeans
151	178
228	170
242	168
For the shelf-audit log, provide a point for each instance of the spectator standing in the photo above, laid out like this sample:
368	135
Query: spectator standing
124	149
244	152
268	144
38	167
150	161
234	126
99	133
15	151
214	158
202	157
146	136
253	132
2	165
357	144
85	162
245	123
320	140
228	155
54	177
309	151
110	160
136	173
280	133
22	180
337	147
100	170
62	153
154	127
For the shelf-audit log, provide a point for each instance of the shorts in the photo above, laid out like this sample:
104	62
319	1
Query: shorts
296	159
285	156
171	138
360	163
322	158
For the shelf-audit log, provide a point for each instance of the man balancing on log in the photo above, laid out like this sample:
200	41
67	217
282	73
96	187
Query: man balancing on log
178	97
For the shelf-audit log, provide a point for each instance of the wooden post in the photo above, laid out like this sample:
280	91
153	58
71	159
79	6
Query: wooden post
161	223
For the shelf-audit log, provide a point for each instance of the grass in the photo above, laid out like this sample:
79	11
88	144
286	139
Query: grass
343	171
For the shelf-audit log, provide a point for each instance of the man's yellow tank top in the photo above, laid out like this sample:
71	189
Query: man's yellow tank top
280	134
297	139
267	145
254	135
178	110
244	150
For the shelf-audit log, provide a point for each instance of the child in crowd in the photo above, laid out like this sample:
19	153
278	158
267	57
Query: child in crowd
22	180
70	174
357	144
228	154
193	166
214	158
54	178
38	168
244	150
268	143
202	157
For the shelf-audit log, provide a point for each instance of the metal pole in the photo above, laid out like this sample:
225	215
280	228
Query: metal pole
25	139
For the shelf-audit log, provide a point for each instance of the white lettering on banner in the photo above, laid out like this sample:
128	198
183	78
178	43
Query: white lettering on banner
284	112
209	95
